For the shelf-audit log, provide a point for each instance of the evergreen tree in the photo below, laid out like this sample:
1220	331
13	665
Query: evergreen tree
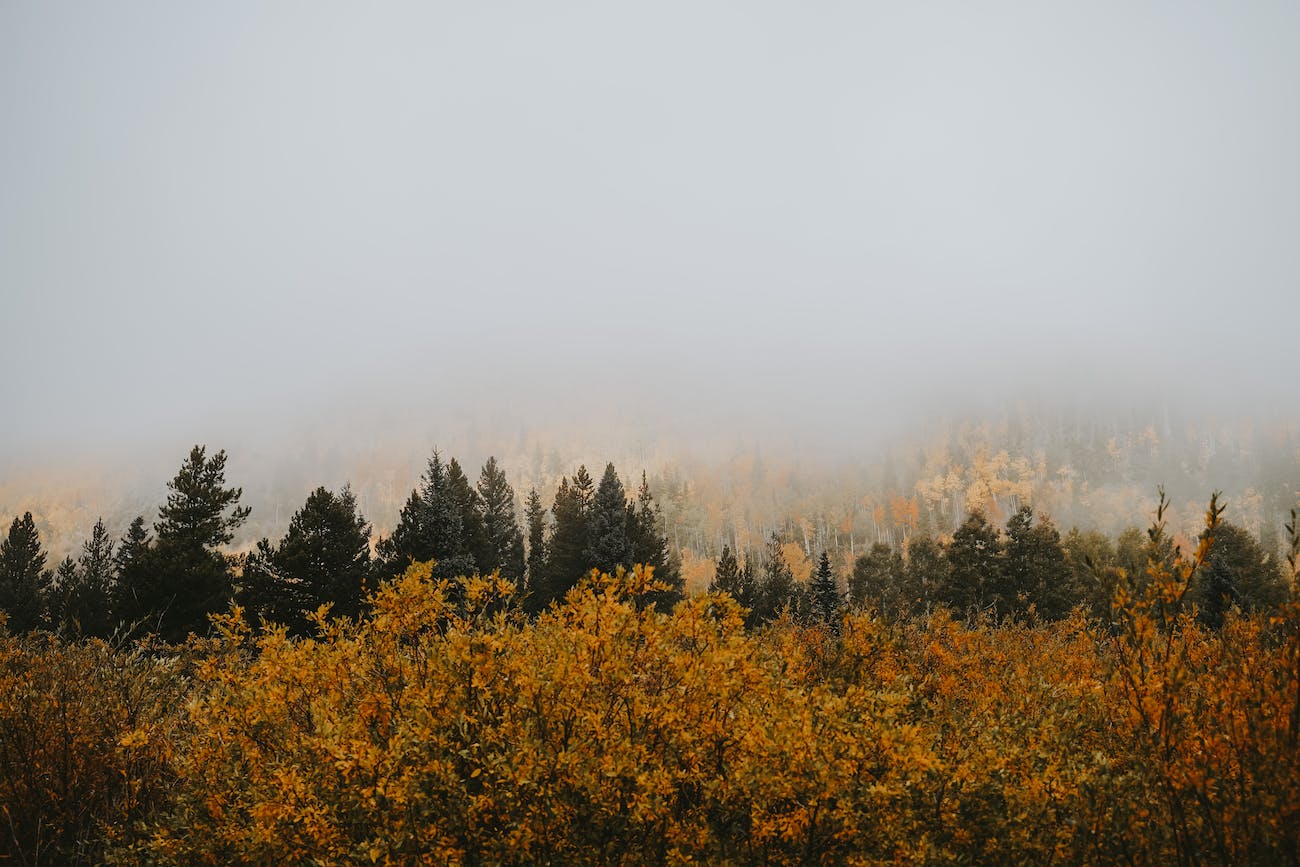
1033	571
608	546
1240	574
973	561
535	513
24	580
726	574
430	527
925	572
776	586
566	561
135	582
650	547
83	591
878	580
825	594
504	548
192	577
473	536
324	558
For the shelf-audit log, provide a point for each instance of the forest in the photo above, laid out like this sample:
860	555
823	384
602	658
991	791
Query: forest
486	684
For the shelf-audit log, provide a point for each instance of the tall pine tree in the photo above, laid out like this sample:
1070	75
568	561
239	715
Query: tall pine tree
608	546
776	585
503	542
974	567
825	593
650	547
430	527
24	580
535	514
192	577
324	558
83	606
566	550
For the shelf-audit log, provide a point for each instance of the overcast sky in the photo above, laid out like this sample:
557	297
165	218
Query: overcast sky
247	214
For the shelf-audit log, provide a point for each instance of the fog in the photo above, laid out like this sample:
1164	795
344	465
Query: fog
255	223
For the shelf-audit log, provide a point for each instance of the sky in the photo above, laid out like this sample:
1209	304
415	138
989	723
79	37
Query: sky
234	216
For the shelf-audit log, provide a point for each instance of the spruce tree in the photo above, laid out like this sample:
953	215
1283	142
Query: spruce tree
1240	574
83	591
192	577
24	580
135	581
878	580
504	543
474	543
535	513
650	547
776	586
726	574
825	594
608	546
973	561
925	572
566	550
1034	570
430	527
324	558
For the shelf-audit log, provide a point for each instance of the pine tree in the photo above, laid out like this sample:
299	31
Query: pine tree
925	572
650	547
608	546
135	580
474	543
1240	574
430	527
1033	569
504	543
973	561
776	587
324	558
726	574
878	580
192	577
24	580
535	513
825	594
566	561
83	591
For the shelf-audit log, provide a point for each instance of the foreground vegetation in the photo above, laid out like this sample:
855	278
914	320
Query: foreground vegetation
447	727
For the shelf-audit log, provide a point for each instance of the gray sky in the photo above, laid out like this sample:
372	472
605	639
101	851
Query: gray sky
221	216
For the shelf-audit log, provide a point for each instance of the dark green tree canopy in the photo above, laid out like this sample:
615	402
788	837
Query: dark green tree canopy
195	512
24	580
973	561
324	558
503	547
82	599
608	546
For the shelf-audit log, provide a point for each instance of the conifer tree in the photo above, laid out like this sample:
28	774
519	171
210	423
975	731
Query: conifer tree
1240	574
192	577
1033	569
825	594
776	586
24	580
566	561
726	574
535	513
83	606
650	547
503	542
135	581
925	572
608	546
878	580
473	537
324	558
973	561
430	527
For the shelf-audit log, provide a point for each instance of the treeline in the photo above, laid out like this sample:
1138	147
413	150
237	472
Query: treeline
1026	570
167	583
448	727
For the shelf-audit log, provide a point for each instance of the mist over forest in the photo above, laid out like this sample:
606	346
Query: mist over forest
690	431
